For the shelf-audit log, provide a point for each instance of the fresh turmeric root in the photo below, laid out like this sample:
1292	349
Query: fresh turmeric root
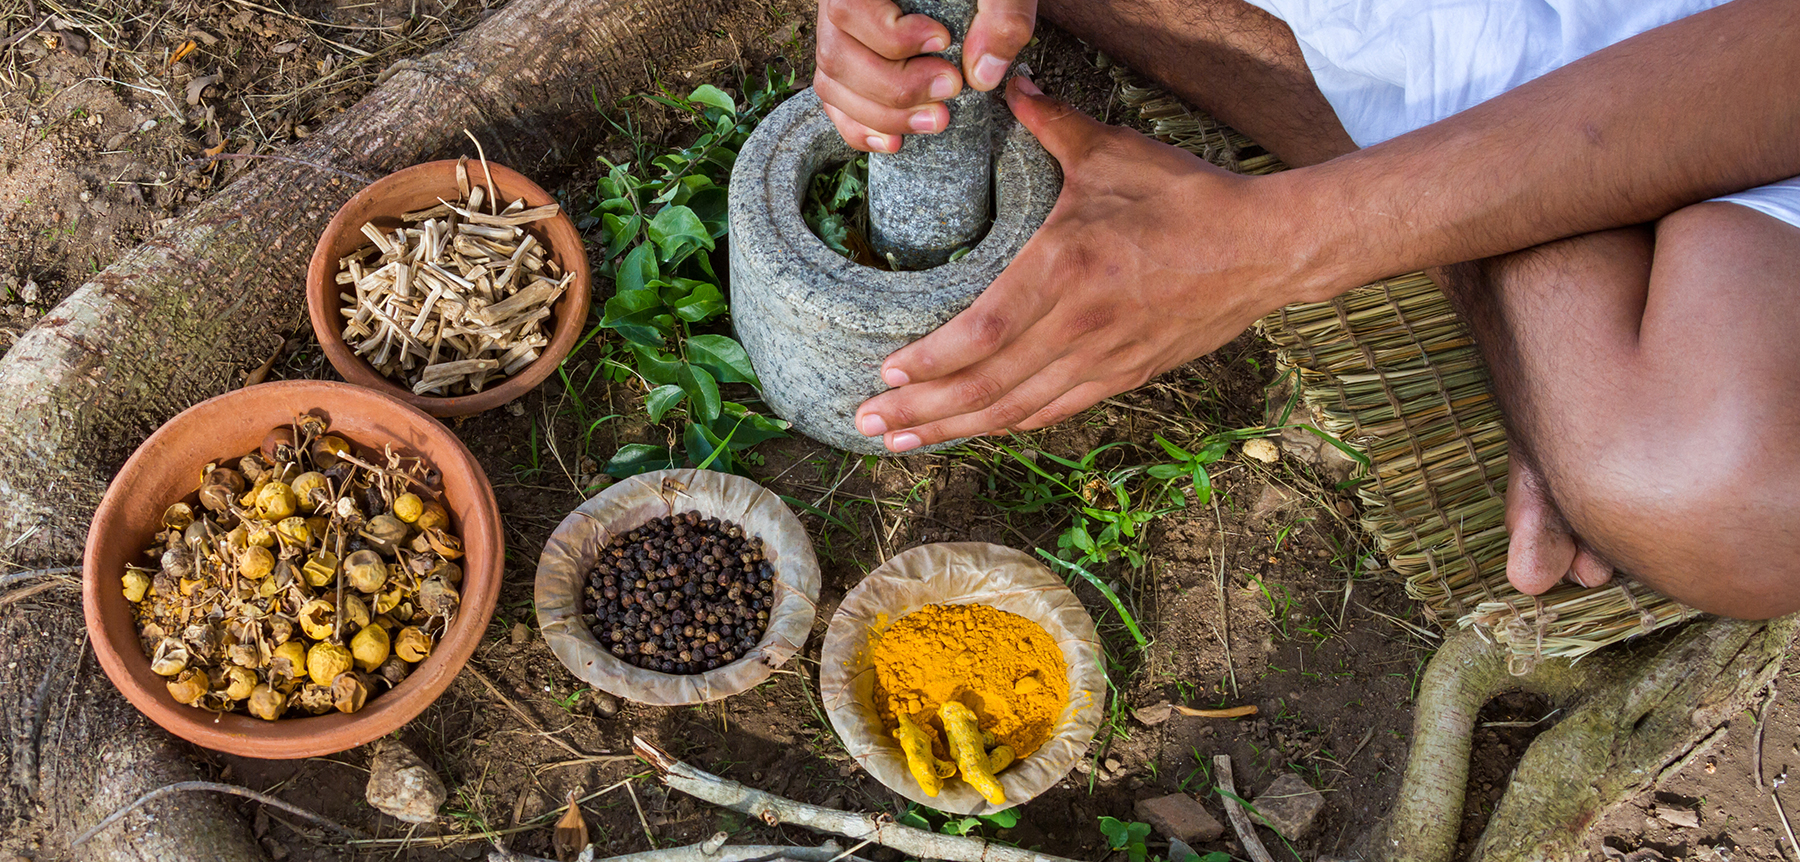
916	742
972	758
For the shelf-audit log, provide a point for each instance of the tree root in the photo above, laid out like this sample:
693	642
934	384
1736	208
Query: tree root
1631	712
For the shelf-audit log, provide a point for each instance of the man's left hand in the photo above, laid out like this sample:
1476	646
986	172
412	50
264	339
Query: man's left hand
1150	258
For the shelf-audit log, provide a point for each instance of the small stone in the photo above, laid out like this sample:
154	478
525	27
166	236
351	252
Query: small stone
1179	817
1681	817
521	633
1262	450
401	785
1179	851
1155	714
1113	764
1084	767
1289	806
29	291
605	705
147	126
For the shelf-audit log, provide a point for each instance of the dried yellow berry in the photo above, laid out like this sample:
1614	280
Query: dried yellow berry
259	534
369	647
354	614
312	491
266	703
364	571
412	644
136	584
408	507
317	618
320	568
313	699
256	563
178	516
325	661
171	657
288	661
275	501
294	531
189	687
349	692
385	532
239	682
433	516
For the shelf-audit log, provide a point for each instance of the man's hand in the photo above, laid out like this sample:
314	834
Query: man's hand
1150	258
875	85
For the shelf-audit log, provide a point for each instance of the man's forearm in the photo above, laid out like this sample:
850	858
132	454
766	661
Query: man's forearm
1700	107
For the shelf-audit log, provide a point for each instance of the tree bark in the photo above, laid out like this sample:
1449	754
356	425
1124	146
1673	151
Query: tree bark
1632	710
173	321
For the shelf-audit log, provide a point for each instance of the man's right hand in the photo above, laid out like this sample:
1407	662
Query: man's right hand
876	85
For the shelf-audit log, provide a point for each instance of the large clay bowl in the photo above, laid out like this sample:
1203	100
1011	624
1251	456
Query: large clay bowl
166	468
416	188
580	539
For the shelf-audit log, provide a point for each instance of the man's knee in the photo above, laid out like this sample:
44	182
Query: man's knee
1716	533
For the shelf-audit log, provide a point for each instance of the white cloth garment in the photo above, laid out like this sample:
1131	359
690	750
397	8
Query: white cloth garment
1391	66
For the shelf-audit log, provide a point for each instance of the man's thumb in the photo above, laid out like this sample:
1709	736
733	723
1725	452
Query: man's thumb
999	32
1066	133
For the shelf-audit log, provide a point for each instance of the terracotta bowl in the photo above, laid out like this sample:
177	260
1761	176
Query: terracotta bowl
417	188
166	469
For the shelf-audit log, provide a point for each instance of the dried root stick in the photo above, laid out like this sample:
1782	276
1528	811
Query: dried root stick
971	758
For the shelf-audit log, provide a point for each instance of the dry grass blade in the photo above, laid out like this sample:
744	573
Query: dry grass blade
1390	369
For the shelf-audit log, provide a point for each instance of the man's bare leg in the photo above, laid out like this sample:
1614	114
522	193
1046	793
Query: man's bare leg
1651	376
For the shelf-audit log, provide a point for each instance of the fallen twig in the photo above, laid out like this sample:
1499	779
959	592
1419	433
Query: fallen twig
1240	819
1793	846
1756	747
878	828
1231	712
11	578
529	721
215	787
711	850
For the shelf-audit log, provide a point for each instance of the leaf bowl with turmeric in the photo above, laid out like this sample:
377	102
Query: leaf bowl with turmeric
964	676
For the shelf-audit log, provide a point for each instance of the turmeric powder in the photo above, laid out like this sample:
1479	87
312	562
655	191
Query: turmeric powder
1005	668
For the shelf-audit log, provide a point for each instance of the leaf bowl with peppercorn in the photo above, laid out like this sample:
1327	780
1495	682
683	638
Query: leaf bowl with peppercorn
223	587
677	587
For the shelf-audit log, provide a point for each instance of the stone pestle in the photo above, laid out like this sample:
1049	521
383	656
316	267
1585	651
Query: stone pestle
817	325
932	197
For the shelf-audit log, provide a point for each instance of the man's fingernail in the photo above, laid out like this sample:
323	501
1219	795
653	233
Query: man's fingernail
904	441
1029	88
934	45
988	71
878	143
894	377
942	87
873	425
923	121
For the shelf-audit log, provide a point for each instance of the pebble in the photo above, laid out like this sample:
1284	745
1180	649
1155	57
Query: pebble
605	705
1289	806
1262	450
521	633
401	785
1113	764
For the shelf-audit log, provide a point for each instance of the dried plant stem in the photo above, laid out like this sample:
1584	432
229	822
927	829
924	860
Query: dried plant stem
773	810
1240	819
1756	747
215	787
7	580
523	716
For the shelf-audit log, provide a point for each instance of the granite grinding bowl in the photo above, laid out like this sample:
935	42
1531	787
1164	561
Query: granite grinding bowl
416	188
954	574
166	468
578	541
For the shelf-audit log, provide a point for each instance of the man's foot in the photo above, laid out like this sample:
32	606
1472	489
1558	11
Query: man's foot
1542	550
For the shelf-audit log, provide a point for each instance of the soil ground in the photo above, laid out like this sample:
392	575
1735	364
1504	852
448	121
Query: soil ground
1266	597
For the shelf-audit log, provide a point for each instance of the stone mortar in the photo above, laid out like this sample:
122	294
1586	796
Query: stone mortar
932	197
818	325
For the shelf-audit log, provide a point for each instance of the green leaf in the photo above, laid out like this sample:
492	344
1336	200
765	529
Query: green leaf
850	184
703	303
662	399
1202	485
704	449
702	390
724	357
619	232
678	232
707	94
657	367
1002	819
710	205
747	428
832	231
1166	471
961	826
637	269
1174	451
635	458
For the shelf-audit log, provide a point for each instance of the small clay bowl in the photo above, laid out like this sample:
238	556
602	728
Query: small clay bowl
579	540
166	468
956	573
416	188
